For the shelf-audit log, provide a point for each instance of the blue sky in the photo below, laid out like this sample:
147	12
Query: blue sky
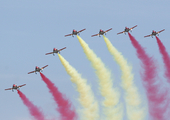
29	29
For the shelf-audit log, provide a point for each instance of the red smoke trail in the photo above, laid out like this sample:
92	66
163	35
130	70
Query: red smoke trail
156	99
165	57
34	111
64	106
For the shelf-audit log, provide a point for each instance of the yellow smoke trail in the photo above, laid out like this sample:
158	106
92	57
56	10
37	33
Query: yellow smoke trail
112	109
87	100
132	97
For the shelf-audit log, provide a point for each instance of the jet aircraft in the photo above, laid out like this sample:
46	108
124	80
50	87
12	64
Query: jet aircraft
101	32
55	50
127	30
75	33
37	69
15	87
154	33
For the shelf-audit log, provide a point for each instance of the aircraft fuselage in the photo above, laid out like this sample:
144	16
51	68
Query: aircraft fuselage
55	51
101	32
14	87
127	29
37	69
154	33
75	32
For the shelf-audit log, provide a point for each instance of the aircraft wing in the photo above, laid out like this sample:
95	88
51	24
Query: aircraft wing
9	89
31	72
133	27
49	53
62	48
81	30
95	35
68	35
120	32
160	31
148	35
44	67
22	85
108	30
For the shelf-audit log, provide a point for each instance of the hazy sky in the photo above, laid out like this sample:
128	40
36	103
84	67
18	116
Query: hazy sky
29	29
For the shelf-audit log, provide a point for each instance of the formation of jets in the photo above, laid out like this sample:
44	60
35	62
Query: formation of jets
102	32
74	32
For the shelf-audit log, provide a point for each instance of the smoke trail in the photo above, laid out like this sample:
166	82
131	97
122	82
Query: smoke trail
34	110
132	97
165	57
113	109
87	100
64	105
156	98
